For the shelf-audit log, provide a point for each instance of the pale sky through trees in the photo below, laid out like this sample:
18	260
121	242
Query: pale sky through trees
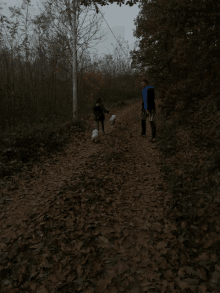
120	26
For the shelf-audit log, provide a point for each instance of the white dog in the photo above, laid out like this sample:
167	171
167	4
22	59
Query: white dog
95	135
112	119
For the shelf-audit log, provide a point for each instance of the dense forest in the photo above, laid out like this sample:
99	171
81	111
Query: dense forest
181	40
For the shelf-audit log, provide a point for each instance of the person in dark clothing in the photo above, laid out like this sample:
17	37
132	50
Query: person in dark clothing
149	105
99	115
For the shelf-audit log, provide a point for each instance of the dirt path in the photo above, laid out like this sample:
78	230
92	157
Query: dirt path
93	219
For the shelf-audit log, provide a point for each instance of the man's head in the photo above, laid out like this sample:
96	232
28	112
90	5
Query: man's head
144	83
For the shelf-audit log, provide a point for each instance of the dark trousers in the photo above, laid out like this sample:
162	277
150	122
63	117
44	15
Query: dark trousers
153	128
97	124
143	126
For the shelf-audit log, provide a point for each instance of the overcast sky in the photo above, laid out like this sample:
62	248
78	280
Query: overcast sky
119	19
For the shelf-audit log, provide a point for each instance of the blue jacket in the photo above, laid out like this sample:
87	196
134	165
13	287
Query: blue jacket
144	94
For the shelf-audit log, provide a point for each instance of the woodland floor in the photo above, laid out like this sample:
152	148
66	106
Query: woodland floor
94	218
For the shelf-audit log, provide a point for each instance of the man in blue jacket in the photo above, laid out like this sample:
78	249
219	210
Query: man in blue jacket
149	105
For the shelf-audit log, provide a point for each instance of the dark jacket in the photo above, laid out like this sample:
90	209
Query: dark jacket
98	111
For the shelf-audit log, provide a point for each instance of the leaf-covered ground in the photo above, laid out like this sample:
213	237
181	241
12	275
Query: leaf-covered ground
95	218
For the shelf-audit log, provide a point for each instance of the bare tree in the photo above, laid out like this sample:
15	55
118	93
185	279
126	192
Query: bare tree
53	28
123	61
23	38
116	64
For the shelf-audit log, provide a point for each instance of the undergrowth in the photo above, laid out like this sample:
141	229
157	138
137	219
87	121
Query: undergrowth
27	144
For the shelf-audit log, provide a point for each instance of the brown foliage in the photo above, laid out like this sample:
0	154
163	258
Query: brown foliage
186	69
